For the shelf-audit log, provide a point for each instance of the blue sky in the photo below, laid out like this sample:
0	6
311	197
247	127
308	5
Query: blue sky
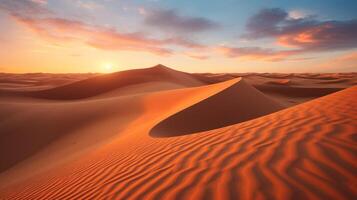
237	35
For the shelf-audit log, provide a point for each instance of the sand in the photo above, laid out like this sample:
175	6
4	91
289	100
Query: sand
230	106
179	136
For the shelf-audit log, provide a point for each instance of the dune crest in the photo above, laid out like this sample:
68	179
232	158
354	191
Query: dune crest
81	125
237	103
102	148
303	152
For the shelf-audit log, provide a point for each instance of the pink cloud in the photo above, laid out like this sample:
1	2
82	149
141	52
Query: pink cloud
196	55
47	26
304	32
64	30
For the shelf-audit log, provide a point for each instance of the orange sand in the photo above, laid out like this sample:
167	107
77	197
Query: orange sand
102	148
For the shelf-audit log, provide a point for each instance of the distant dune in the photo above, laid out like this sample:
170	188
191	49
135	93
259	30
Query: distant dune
158	133
106	83
38	81
280	82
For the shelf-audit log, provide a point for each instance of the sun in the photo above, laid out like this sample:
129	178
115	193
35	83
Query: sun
108	67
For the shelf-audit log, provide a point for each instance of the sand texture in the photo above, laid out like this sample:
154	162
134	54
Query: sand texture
158	133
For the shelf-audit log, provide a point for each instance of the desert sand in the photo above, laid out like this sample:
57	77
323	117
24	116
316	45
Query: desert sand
158	133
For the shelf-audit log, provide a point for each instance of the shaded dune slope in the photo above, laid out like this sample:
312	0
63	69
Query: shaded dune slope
105	83
27	127
303	152
237	103
280	82
297	92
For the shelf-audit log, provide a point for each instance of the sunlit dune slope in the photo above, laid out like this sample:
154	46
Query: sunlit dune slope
237	103
36	132
303	152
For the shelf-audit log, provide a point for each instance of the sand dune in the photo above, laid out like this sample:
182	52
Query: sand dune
237	103
298	91
26	127
101	148
105	83
57	86
50	121
62	128
292	89
38	81
280	82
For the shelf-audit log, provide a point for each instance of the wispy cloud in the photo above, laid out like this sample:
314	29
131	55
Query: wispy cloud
170	20
298	14
55	29
257	53
89	5
64	30
40	1
196	55
295	33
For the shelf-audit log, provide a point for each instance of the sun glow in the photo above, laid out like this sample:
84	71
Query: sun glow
108	68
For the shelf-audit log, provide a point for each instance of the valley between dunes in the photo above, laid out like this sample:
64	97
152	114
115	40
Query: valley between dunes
158	133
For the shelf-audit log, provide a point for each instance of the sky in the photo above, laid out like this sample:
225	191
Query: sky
79	36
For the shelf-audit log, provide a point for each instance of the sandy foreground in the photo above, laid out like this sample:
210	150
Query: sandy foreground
158	133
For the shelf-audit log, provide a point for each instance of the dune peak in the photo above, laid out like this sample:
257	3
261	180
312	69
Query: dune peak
161	66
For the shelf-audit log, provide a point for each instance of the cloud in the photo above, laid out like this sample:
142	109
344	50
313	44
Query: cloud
171	20
300	32
24	7
196	55
89	5
142	11
257	53
60	30
303	32
343	63
298	14
324	36
184	42
64	30
42	2
264	23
